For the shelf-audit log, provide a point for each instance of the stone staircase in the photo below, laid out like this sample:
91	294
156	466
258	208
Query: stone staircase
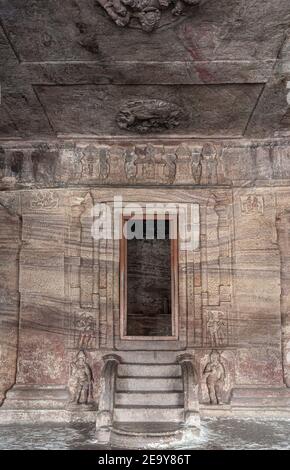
147	399
149	393
149	405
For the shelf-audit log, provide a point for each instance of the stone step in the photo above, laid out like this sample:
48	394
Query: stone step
149	370
149	384
149	414
149	398
150	357
134	435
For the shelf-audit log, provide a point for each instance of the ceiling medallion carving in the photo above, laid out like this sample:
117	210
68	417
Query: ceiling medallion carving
149	116
146	14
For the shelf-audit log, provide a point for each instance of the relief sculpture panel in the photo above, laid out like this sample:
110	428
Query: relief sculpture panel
146	14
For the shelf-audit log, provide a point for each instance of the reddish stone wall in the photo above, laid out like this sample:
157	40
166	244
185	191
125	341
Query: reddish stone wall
231	287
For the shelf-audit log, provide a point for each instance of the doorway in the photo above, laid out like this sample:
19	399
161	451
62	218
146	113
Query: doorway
149	268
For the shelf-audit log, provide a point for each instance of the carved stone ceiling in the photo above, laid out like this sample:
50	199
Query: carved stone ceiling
70	67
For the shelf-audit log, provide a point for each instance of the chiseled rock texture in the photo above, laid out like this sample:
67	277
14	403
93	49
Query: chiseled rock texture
188	109
223	65
59	287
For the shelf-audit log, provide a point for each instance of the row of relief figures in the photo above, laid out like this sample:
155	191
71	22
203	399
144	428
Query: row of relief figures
214	376
198	164
216	330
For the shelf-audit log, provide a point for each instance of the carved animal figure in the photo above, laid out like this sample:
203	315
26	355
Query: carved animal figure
149	116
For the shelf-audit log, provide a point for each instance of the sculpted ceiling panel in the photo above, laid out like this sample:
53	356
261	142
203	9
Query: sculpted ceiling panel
109	110
49	30
205	59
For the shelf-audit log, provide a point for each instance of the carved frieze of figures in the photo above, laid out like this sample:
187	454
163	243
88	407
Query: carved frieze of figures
209	163
44	200
81	381
215	374
216	327
147	164
95	163
188	165
147	116
145	14
252	204
86	331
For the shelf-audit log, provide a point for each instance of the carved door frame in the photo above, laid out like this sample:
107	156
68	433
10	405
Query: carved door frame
174	283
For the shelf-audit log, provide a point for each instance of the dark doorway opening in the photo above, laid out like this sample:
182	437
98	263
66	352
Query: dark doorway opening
149	263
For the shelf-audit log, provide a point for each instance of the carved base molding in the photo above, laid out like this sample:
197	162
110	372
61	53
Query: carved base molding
33	404
277	409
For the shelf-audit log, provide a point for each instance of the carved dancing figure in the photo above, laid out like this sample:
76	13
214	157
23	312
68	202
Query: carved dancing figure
214	372
86	326
215	326
81	380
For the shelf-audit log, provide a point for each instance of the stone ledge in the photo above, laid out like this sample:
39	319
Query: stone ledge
45	416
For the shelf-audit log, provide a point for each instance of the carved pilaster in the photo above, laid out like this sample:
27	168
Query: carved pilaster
283	231
190	386
104	419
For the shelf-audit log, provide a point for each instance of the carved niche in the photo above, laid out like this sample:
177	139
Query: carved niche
252	204
147	15
146	116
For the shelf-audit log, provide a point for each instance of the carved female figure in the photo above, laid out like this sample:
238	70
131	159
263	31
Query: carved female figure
214	372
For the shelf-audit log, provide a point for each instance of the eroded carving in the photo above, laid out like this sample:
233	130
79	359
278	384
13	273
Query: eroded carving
44	200
149	116
188	165
144	14
148	164
216	327
81	381
209	164
215	374
86	331
95	163
252	204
